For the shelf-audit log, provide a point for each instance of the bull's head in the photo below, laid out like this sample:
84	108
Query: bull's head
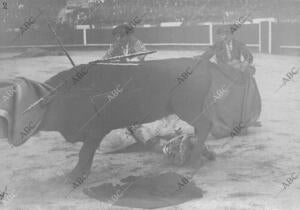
14	125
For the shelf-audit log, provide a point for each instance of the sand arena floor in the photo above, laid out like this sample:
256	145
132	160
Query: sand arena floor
247	174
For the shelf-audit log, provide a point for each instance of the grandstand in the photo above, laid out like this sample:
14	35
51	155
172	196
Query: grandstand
188	11
112	12
166	22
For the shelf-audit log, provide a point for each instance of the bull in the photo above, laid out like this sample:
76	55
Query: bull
146	92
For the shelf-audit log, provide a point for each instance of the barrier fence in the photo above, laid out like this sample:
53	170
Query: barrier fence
261	36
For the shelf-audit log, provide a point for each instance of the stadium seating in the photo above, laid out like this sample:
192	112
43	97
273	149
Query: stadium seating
112	12
187	11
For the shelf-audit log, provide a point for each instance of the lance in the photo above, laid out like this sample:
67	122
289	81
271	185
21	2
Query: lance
61	44
123	56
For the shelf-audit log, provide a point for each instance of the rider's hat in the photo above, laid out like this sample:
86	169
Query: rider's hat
225	30
123	29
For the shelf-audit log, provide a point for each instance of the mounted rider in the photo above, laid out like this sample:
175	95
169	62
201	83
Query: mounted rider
125	43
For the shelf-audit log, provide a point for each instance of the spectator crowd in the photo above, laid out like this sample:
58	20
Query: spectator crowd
112	12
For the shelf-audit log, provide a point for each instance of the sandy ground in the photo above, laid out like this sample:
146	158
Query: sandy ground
247	174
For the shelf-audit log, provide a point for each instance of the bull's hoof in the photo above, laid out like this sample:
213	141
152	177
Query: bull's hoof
77	174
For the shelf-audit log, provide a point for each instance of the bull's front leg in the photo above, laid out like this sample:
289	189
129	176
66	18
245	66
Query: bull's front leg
202	130
86	156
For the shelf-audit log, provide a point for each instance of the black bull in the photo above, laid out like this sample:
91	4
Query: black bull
146	95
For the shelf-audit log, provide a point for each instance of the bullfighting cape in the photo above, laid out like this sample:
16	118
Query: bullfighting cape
233	101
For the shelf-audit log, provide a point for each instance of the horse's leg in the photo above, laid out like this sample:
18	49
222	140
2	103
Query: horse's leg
202	130
86	156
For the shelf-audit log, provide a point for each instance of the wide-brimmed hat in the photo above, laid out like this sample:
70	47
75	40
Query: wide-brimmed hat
123	29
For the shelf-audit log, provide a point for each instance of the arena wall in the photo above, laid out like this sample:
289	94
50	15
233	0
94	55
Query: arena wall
264	36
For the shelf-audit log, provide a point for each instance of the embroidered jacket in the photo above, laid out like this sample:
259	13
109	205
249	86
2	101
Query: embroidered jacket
132	46
226	53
